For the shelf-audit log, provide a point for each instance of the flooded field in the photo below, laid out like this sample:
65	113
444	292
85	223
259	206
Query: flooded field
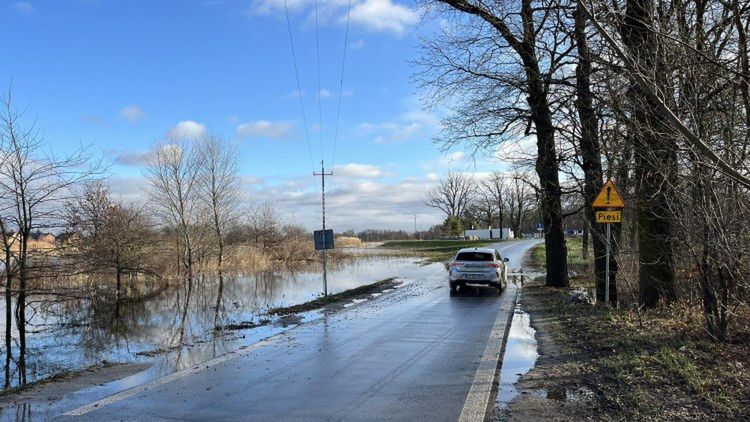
176	328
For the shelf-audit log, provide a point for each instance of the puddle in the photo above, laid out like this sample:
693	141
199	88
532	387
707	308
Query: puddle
520	356
580	394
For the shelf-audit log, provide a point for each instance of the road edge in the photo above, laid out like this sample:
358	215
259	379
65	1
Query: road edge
479	402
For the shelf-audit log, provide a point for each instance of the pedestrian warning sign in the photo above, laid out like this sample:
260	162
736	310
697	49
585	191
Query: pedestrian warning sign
608	216
608	197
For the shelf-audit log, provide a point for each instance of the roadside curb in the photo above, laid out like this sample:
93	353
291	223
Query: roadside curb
479	402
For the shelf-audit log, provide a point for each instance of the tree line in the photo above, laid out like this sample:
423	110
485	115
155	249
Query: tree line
497	201
652	94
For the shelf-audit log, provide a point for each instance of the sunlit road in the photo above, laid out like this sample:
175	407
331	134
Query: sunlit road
412	354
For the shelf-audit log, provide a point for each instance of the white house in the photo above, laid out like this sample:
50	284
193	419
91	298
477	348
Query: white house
489	234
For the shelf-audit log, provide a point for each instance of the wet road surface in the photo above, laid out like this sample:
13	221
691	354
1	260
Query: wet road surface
412	354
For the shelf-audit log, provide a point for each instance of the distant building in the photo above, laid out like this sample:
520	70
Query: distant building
573	232
489	234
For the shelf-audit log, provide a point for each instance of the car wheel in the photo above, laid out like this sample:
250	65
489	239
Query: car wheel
453	286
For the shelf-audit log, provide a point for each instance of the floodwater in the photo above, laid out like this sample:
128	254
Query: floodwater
520	356
175	329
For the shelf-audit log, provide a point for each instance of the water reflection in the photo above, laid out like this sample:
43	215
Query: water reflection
67	333
520	356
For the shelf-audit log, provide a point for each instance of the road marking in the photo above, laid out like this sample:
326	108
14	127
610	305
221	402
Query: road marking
477	404
167	379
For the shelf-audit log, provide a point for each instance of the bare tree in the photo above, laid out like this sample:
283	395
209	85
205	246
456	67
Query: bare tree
496	190
219	185
173	174
453	194
264	224
501	63
34	183
108	234
519	200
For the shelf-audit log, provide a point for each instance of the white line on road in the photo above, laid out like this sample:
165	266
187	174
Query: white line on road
477	402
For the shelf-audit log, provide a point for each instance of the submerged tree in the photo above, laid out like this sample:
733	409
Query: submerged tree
219	186
33	184
173	174
109	235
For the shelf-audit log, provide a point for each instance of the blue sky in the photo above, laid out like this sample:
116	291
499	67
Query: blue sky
119	75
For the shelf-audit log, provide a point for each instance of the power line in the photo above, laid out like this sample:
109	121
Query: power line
299	86
320	88
341	84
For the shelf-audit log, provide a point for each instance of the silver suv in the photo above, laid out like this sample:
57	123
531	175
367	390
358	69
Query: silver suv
478	266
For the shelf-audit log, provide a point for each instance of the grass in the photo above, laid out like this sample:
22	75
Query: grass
437	250
326	300
664	369
575	254
661	368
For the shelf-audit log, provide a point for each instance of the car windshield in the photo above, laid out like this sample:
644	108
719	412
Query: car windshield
474	256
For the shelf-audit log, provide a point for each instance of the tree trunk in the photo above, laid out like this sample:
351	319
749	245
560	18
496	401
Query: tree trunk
655	161
546	161
590	154
21	306
219	294
585	243
8	322
118	292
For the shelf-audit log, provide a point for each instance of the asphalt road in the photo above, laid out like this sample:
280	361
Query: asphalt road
412	354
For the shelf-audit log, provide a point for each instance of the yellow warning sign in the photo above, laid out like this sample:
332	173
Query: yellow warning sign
608	216
608	197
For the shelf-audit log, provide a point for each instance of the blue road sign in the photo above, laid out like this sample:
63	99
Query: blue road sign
323	241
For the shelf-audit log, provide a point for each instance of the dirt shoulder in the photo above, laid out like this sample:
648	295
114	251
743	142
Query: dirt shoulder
556	387
335	302
597	363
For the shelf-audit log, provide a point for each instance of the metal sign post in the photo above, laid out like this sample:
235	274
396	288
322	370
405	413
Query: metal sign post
609	199
606	269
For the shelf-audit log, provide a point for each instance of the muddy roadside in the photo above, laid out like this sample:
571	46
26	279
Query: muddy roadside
598	363
555	388
55	388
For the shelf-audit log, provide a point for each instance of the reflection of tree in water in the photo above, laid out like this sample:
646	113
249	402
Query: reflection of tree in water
76	332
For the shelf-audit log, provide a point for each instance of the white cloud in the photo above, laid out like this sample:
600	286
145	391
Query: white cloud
266	7
24	7
132	114
188	129
295	94
411	125
398	132
264	129
374	15
351	202
129	157
384	15
357	170
324	93
357	45
456	161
